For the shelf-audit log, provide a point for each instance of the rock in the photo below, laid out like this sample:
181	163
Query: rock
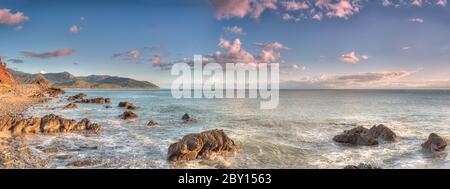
108	106
435	143
201	146
70	105
127	105
42	83
152	123
5	77
382	132
366	137
361	166
95	100
356	136
129	115
83	163
78	96
186	118
47	124
54	92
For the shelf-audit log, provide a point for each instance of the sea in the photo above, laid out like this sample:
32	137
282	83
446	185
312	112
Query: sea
295	135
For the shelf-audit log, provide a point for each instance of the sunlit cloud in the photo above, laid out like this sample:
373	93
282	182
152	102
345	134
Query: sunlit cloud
352	58
234	30
74	29
6	17
132	54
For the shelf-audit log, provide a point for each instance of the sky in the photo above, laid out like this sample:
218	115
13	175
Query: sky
318	43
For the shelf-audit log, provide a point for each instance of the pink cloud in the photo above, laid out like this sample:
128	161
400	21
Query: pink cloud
6	17
352	58
226	9
52	54
287	17
234	53
441	2
417	3
74	29
294	5
317	16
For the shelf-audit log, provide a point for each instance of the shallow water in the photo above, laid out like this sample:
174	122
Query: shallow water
298	134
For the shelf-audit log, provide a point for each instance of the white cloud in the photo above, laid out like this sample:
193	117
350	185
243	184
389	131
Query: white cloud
74	29
418	20
352	58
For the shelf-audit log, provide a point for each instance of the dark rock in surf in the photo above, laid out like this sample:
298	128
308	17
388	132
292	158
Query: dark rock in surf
127	105
152	123
366	137
435	143
129	115
201	146
186	118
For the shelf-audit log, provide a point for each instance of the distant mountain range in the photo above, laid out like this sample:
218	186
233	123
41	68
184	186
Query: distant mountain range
67	80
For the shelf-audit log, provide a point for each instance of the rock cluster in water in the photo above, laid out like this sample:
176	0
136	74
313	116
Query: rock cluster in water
187	118
366	137
47	124
201	146
78	96
99	100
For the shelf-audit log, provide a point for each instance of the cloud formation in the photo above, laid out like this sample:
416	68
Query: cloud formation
312	9
16	61
52	54
388	79
6	17
418	20
133	54
352	58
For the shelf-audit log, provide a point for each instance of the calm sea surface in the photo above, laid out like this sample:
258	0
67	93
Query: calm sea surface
298	134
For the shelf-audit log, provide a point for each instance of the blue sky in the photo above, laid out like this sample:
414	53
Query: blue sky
329	44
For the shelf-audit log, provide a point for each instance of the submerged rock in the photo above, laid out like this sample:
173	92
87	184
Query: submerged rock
201	146
361	166
78	96
95	100
127	105
435	143
152	123
129	115
47	124
108	106
70	105
366	137
187	118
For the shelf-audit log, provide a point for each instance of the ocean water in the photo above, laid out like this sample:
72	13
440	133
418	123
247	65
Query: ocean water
298	134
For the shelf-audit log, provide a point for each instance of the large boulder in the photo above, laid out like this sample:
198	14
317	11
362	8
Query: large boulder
129	115
47	124
78	96
127	105
95	100
435	143
201	146
366	137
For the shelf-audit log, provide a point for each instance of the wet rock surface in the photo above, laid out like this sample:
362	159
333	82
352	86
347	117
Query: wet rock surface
201	146
129	115
366	137
47	124
435	143
127	105
361	166
99	100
